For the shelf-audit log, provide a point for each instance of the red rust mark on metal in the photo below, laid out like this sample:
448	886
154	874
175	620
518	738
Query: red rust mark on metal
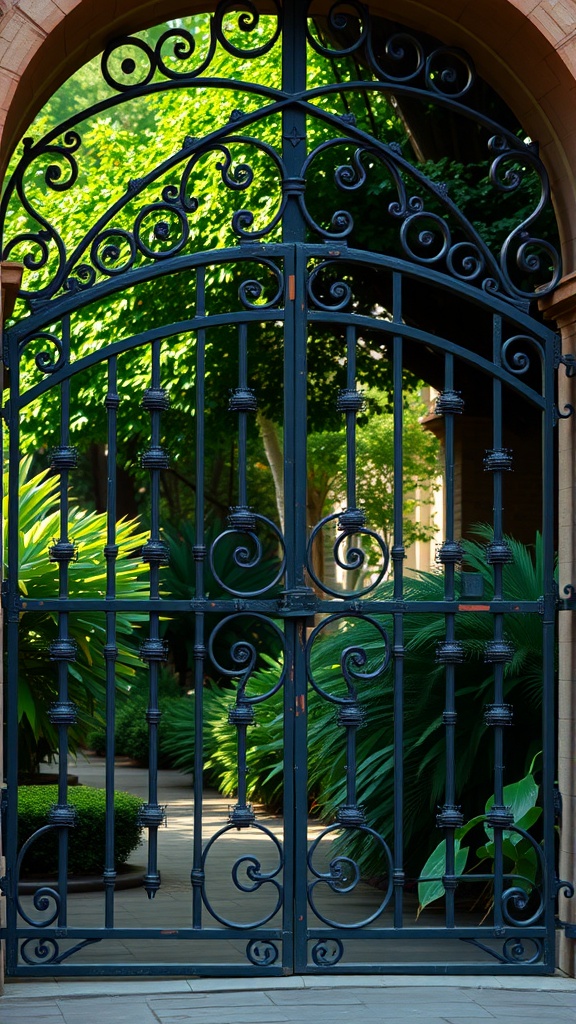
473	607
300	704
291	287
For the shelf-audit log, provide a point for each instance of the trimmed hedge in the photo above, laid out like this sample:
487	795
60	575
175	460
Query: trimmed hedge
86	839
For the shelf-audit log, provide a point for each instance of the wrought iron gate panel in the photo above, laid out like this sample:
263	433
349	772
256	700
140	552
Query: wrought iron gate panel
267	298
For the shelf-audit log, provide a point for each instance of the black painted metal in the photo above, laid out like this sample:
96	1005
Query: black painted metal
296	274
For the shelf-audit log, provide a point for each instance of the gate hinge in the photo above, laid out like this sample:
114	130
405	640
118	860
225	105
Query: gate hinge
4	885
569	361
568	926
568	603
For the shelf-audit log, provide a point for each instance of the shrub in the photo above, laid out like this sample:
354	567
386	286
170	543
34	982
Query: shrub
131	728
87	837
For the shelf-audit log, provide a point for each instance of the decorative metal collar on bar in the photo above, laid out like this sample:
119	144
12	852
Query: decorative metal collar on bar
158	215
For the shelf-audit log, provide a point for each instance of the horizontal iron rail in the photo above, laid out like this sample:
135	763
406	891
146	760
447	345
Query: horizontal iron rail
273	608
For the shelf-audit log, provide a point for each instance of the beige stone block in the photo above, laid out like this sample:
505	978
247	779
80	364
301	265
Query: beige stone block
44	13
548	22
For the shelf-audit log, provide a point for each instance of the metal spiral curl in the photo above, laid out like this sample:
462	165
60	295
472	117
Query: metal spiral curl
401	46
262	952
352	659
43	895
327	952
251	290
339	291
519	362
340	17
439	233
45	361
106	251
355	557
248	559
521	247
46	951
161	230
444	67
258	878
343	876
244	656
248	18
514	950
64	151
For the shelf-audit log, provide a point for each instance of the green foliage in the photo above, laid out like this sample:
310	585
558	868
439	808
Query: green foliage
131	732
39	525
87	837
520	857
375	465
264	741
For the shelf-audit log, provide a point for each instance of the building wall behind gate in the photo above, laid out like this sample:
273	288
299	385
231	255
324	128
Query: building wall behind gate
526	49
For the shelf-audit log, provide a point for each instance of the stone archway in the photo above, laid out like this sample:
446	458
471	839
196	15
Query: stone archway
43	42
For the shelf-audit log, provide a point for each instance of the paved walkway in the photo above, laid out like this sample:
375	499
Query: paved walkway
307	1000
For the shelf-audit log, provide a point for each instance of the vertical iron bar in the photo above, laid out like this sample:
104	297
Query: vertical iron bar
498	628
351	418
153	649
197	874
12	619
450	817
63	718
398	554
111	402
549	711
295	340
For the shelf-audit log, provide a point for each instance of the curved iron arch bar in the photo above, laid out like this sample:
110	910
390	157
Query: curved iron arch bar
260	253
135	340
370	323
383	326
70	301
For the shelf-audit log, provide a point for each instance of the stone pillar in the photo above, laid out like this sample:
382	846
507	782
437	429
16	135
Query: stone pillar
10	278
561	307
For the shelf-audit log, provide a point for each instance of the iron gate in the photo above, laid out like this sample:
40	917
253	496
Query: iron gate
305	304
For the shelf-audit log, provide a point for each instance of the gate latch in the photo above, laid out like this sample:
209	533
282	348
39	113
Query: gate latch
297	603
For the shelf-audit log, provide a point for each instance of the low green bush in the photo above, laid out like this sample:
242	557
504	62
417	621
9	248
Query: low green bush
131	728
87	837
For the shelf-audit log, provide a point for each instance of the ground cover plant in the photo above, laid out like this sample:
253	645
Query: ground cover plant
86	838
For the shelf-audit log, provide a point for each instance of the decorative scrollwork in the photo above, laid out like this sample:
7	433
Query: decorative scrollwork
255	294
352	658
262	952
248	555
514	357
343	17
248	20
343	874
46	951
354	557
244	654
47	362
521	247
327	294
516	952
44	895
257	878
327	952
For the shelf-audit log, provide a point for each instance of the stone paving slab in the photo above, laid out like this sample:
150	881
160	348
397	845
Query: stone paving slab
303	1000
